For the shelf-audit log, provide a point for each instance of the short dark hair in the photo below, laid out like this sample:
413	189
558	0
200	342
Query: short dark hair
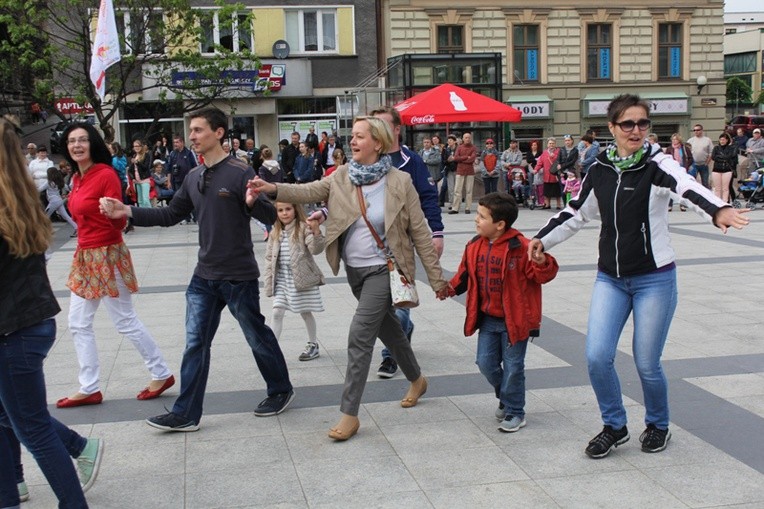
587	138
214	117
502	205
99	152
391	111
42	148
623	102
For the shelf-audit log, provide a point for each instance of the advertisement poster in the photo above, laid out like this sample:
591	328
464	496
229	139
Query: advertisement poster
287	127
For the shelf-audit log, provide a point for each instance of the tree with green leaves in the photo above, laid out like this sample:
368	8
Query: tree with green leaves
160	40
24	55
738	92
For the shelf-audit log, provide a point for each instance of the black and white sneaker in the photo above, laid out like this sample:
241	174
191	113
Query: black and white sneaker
388	368
601	445
654	439
274	405
172	422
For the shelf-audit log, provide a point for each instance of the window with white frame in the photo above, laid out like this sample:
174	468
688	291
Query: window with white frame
312	30
141	33
234	34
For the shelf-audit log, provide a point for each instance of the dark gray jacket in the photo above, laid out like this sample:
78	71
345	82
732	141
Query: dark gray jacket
217	194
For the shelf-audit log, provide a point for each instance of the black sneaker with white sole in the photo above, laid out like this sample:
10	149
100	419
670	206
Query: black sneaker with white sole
274	405
172	422
388	368
601	445
654	439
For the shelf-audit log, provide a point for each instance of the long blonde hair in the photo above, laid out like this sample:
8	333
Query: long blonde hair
299	219
23	223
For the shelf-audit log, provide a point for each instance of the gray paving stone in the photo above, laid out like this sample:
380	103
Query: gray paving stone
516	494
624	489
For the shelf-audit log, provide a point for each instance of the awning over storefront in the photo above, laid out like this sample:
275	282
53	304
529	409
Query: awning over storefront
532	106
661	103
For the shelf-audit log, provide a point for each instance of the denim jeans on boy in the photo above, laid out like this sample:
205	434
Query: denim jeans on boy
404	316
205	300
490	184
651	298
23	406
502	364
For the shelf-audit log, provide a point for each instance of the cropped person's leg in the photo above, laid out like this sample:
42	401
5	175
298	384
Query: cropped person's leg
610	307
655	299
81	315
122	313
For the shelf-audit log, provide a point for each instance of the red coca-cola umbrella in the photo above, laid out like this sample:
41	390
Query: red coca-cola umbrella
448	103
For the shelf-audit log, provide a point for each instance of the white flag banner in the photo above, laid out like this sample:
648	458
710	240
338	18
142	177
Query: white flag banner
105	47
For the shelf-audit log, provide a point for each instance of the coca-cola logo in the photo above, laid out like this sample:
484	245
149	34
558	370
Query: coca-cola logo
424	119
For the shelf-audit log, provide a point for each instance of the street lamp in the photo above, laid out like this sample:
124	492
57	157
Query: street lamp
701	81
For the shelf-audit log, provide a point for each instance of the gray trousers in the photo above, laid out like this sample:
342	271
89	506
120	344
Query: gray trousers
374	317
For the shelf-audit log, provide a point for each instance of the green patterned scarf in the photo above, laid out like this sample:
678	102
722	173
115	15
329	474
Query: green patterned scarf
624	163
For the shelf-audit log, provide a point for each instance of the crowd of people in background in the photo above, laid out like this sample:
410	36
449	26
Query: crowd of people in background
540	176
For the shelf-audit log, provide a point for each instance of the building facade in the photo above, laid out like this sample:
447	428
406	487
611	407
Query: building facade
310	54
744	58
561	65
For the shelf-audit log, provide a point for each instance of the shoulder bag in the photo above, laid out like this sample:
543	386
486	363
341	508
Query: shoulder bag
402	290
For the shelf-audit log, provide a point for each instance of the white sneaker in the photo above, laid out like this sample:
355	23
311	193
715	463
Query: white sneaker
310	352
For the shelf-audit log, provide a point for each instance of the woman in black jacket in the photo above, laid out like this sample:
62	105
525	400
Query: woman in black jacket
724	156
27	332
628	189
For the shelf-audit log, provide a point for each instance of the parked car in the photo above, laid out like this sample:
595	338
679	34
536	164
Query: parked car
747	122
55	136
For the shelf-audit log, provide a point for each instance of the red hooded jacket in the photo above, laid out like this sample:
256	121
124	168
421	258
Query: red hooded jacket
520	284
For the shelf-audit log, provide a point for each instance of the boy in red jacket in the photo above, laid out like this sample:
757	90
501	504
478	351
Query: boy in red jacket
503	300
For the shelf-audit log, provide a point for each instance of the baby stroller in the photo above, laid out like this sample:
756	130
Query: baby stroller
751	190
523	193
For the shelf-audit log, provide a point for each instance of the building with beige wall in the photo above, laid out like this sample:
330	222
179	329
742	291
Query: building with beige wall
744	58
569	61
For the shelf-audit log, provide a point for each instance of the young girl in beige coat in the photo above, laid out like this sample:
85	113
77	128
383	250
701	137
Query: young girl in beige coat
292	277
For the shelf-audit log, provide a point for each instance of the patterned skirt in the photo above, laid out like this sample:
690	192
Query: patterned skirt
92	273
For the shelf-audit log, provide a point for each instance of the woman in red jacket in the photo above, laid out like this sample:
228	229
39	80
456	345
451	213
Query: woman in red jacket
549	163
102	270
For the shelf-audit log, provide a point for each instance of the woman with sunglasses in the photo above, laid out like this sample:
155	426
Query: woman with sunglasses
629	190
102	270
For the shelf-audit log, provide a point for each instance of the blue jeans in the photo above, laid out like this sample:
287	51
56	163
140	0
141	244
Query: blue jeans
701	169
651	298
404	316
205	300
23	407
490	184
502	364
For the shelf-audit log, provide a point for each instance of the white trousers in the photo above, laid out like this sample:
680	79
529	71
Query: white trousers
122	314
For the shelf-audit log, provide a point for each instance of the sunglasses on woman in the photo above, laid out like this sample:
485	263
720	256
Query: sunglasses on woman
628	126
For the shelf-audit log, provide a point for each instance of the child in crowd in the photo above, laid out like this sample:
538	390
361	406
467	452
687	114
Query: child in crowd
498	276
55	201
292	277
520	190
572	186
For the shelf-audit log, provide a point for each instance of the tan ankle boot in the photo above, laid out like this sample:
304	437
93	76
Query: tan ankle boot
416	390
346	428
